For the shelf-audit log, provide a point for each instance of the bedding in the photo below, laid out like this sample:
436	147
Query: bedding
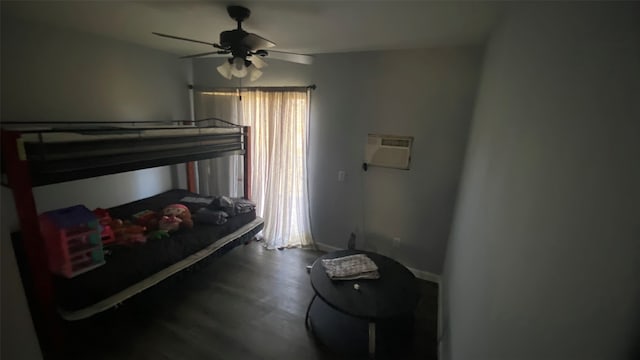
70	132
131	133
231	206
207	216
71	151
130	269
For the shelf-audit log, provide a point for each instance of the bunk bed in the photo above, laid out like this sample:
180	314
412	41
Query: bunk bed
36	154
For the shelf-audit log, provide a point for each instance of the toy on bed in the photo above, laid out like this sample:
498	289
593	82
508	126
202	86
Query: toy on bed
127	233
157	234
169	223
146	218
104	219
116	231
72	239
174	217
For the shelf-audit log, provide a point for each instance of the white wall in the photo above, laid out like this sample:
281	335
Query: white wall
50	74
543	261
427	94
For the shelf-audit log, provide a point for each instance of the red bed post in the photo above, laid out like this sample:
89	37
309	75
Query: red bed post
191	169
247	162
43	313
191	176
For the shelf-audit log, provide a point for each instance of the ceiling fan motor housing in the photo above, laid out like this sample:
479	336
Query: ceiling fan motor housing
232	38
241	44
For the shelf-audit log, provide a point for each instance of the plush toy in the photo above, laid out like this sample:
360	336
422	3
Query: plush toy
128	233
175	216
158	234
146	218
169	223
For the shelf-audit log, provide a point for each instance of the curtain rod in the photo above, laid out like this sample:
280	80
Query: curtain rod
266	88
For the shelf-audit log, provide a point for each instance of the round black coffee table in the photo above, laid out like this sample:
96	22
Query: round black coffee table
395	294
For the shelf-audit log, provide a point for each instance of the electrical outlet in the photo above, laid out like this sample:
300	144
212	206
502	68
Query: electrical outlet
341	175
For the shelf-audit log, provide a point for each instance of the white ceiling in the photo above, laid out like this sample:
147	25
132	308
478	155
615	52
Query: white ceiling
308	27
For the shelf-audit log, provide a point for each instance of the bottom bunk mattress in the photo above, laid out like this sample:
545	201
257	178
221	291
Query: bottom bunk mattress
130	269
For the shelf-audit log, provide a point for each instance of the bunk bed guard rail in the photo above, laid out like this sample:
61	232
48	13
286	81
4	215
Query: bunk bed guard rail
58	152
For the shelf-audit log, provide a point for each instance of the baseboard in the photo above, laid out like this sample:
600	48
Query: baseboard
327	248
420	274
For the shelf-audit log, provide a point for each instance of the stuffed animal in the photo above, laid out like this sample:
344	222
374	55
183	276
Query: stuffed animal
158	234
175	216
169	223
128	233
146	218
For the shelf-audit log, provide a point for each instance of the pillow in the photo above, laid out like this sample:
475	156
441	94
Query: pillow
243	206
208	216
223	203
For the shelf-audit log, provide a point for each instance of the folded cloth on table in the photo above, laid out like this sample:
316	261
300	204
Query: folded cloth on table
358	266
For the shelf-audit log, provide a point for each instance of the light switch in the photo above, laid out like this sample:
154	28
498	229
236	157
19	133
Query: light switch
341	175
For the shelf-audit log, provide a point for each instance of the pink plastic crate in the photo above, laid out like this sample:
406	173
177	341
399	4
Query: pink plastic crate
73	240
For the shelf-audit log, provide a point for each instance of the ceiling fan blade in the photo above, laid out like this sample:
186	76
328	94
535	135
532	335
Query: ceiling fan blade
185	39
219	52
291	57
257	61
255	42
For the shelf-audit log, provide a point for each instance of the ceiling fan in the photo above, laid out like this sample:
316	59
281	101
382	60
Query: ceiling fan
246	49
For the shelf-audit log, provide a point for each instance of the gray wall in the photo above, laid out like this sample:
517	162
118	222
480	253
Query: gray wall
543	261
427	94
50	74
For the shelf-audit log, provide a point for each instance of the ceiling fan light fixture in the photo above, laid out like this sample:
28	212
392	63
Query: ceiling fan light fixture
258	62
225	70
254	73
238	68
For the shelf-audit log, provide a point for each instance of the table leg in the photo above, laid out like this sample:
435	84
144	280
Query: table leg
306	318
372	339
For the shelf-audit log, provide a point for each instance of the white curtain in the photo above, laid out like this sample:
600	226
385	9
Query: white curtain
279	123
223	175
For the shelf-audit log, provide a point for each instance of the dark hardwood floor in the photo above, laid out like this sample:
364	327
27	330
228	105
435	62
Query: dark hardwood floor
248	304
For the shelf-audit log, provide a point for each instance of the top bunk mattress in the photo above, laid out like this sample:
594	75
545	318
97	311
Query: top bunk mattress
71	151
55	132
50	136
129	267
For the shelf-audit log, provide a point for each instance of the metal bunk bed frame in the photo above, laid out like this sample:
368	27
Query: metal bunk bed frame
36	163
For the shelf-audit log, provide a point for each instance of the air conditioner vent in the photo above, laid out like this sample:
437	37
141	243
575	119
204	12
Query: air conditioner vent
390	151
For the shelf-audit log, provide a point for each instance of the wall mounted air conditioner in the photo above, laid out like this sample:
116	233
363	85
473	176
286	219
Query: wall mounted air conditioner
388	151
